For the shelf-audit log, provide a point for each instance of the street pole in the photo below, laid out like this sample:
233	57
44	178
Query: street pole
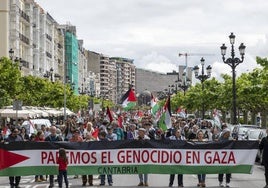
202	77
233	62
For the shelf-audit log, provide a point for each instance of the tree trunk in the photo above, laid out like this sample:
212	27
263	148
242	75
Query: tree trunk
264	119
245	117
253	118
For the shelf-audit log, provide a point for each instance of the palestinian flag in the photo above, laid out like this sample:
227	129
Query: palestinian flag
129	99
109	114
154	105
216	118
165	119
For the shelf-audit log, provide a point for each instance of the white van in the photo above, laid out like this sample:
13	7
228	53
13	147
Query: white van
30	124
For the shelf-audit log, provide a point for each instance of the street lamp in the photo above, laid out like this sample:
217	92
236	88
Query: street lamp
233	62
202	77
81	90
49	74
185	83
11	53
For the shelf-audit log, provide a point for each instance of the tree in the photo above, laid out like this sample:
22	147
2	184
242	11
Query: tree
9	81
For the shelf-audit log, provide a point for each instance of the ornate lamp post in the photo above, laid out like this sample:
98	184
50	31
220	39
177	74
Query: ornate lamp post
185	83
11	53
202	77
233	62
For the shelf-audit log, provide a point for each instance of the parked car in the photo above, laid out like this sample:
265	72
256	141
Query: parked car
254	134
240	131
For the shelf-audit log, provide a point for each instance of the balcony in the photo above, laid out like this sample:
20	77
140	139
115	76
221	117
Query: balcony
48	37
59	45
24	15
48	54
24	39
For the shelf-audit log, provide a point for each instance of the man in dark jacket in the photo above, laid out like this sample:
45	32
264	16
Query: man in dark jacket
14	137
264	147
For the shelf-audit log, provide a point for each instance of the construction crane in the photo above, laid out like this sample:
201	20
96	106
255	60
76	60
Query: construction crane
192	54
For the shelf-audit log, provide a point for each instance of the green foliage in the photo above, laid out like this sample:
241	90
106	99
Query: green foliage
9	81
252	92
34	91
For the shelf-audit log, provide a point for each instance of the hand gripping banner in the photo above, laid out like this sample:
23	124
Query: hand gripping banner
129	157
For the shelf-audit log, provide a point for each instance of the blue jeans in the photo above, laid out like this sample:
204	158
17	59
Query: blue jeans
109	178
63	174
201	178
143	178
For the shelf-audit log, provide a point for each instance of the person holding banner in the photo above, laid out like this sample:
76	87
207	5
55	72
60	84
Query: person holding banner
103	137
177	136
201	177
225	136
53	137
142	136
14	137
264	147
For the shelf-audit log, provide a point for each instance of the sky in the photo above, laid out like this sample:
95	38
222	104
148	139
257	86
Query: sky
154	32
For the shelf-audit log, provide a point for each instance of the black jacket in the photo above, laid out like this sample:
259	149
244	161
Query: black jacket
264	146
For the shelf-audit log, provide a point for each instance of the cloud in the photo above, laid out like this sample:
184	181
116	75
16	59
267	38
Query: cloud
157	62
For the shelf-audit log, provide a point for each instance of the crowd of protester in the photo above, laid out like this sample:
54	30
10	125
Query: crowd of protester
130	127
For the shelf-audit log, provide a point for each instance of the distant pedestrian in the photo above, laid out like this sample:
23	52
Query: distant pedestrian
63	163
264	147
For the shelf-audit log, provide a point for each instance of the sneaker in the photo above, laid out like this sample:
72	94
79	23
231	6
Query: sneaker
140	184
146	184
221	184
227	185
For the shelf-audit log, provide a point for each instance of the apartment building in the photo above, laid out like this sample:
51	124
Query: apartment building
125	75
48	49
35	39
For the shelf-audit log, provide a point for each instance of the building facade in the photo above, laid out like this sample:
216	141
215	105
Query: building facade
154	81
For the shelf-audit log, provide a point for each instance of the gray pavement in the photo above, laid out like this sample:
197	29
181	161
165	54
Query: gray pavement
254	180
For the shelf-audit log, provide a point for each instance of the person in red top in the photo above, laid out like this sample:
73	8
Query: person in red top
63	163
